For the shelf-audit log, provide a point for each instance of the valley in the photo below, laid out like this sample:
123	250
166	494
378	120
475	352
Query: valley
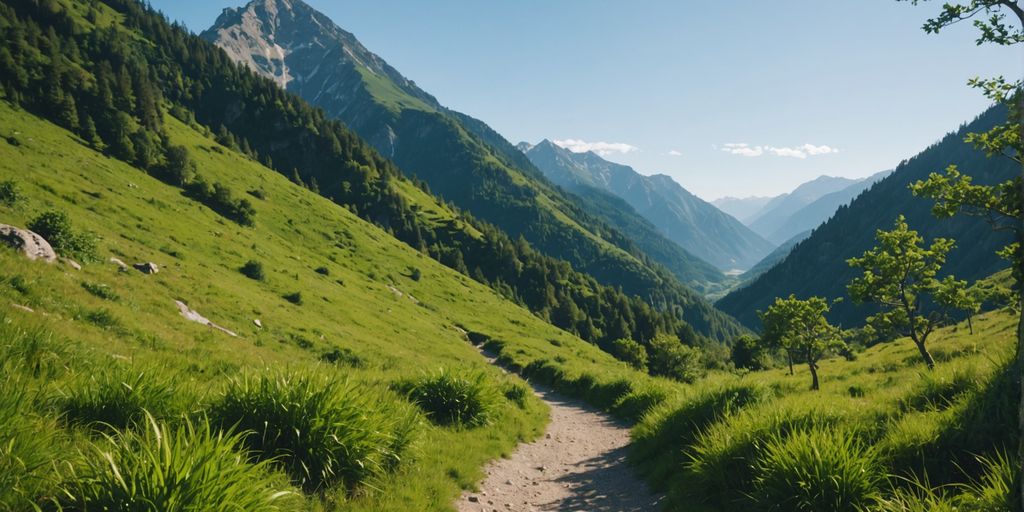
255	267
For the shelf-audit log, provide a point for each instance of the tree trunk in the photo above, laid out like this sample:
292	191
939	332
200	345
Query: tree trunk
970	325
927	356
1020	376
789	359
814	375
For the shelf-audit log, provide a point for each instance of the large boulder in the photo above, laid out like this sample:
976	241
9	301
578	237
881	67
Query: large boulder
33	246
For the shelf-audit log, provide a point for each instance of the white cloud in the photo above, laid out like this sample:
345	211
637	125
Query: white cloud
801	152
601	148
674	153
742	149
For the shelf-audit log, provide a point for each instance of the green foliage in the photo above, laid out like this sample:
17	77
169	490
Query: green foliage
322	431
10	194
188	468
630	352
294	298
100	290
817	469
801	329
222	200
899	275
670	358
55	226
748	353
28	449
253	270
324	271
31	349
121	398
454	397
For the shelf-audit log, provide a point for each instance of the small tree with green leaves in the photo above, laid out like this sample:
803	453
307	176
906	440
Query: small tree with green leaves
670	358
900	277
800	327
956	296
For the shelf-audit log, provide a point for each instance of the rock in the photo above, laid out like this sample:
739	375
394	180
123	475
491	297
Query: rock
147	268
71	263
258	323
26	309
474	499
194	316
33	246
120	264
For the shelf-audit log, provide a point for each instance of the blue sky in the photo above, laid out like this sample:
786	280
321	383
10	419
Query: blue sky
735	97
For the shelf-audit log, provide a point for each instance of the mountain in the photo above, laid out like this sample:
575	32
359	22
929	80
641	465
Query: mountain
818	211
742	208
689	221
774	257
773	217
459	158
817	266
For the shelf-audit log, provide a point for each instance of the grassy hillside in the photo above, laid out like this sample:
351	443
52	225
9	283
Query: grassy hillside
366	304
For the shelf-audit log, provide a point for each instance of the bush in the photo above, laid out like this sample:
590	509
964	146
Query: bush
121	398
817	469
415	274
219	198
321	431
455	398
188	468
253	270
630	352
517	393
342	356
324	271
55	227
294	298
670	358
10	194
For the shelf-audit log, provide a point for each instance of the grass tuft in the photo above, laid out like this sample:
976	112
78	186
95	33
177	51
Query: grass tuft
455	398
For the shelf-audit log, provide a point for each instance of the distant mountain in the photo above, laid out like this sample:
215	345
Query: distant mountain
459	158
742	208
773	216
817	266
819	210
694	224
774	258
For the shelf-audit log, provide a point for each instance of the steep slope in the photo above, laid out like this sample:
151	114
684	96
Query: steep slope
774	257
460	158
694	224
818	211
742	208
817	266
773	216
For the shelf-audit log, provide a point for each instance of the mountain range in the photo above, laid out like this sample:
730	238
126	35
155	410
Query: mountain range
684	218
457	157
817	265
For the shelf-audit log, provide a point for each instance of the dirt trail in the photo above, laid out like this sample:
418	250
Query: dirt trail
578	464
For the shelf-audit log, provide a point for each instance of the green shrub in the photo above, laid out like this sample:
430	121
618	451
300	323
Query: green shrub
29	451
670	358
253	270
342	356
121	398
10	194
817	469
219	198
294	298
324	271
55	226
101	290
321	431
102	318
450	397
517	393
630	352
184	469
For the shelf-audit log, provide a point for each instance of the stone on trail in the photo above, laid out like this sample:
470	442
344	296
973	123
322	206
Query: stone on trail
31	245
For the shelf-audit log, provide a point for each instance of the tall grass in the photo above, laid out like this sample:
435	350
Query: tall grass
29	450
122	397
31	348
817	469
190	468
453	397
322	431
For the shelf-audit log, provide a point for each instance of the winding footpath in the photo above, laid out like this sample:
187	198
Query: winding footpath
579	464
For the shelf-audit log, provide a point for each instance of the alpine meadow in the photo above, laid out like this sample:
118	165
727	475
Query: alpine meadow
247	264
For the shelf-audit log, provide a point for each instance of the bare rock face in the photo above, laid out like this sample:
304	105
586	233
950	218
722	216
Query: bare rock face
120	264
33	246
194	316
147	268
